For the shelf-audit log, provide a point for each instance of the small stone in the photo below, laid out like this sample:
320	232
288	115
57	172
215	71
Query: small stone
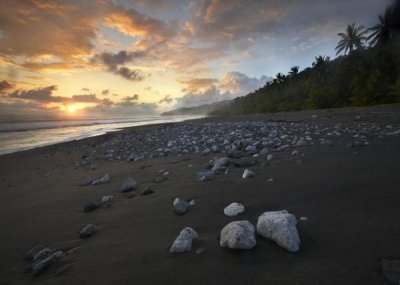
295	153
160	179
147	191
234	209
204	176
244	162
87	181
128	185
270	180
247	173
88	231
90	206
41	254
47	262
192	203
183	243
279	226
106	201
181	207
283	148
238	235
304	219
105	179
30	254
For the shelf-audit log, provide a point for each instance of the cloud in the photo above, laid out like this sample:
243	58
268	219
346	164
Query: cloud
167	100
113	63
5	86
130	100
85	89
105	92
208	90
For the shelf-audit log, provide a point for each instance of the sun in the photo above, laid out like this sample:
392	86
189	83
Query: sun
71	109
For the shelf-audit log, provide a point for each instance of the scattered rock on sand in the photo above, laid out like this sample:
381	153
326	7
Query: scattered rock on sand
42	254
160	179
192	203
204	176
391	270
238	235
105	179
47	262
181	207
128	185
87	181
183	242
30	254
234	209
106	201
147	191
247	173
279	226
220	164
88	231
244	162
90	206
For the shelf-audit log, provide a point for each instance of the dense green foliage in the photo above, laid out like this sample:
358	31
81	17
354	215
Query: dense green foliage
369	74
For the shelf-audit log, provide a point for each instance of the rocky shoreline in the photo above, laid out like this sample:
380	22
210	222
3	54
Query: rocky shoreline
321	177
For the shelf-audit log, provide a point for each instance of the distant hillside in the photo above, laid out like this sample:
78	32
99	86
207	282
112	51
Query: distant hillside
198	110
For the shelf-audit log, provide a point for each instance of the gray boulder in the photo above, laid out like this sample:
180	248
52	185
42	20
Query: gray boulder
87	181
247	173
88	231
204	176
105	179
30	254
128	185
238	235
234	209
183	242
279	226
181	207
48	261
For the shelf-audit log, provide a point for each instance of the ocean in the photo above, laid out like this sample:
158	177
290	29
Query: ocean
27	132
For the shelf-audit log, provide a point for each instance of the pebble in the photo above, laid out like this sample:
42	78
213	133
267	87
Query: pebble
88	231
204	176
128	185
247	173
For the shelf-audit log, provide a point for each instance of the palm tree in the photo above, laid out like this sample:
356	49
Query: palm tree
381	33
320	65
294	71
352	39
280	77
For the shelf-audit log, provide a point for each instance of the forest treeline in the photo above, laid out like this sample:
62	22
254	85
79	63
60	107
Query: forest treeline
366	72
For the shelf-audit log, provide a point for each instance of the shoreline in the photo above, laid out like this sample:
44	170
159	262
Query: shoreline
345	198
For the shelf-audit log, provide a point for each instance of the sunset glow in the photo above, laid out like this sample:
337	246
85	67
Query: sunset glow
133	58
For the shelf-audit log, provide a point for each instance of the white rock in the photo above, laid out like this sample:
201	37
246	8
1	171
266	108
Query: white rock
295	153
234	209
238	235
247	173
269	157
106	199
279	226
192	202
183	242
176	200
105	179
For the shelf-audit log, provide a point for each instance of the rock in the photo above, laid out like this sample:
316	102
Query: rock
88	231
204	176
326	142
160	179
90	206
176	200
269	157
301	142
106	201
192	203
30	254
181	207
391	270
303	219
47	262
247	173
105	179
279	226
244	162
283	148
183	242
87	181
220	164
41	254
238	235
295	153
234	209
147	191
128	185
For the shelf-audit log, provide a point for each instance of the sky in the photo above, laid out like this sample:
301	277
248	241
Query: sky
120	58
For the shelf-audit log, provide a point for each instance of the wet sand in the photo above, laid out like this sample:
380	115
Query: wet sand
350	196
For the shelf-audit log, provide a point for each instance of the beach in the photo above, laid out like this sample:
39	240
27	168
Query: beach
342	185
